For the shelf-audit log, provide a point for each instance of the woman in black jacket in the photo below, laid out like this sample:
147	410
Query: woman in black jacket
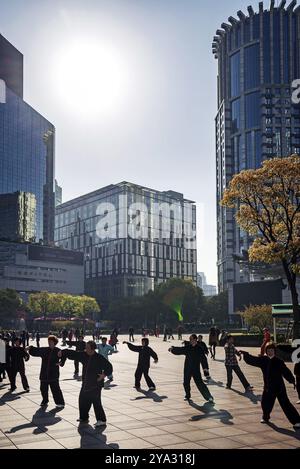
49	375
95	369
193	357
274	372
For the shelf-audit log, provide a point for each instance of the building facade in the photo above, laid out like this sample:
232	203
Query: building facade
58	194
27	145
208	290
258	57
29	268
132	238
18	217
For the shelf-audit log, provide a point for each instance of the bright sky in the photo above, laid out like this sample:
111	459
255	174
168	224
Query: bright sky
131	87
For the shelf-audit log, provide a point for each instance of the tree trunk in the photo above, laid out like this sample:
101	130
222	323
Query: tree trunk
292	279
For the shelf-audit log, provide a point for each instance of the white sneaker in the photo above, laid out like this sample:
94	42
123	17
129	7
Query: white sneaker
297	425
99	423
152	389
211	400
60	406
264	421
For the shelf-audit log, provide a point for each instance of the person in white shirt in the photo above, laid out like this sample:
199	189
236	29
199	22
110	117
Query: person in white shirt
105	350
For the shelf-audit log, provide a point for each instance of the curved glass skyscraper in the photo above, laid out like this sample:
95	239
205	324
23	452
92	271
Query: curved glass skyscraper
258	58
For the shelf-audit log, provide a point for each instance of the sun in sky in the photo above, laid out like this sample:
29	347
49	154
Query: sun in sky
91	77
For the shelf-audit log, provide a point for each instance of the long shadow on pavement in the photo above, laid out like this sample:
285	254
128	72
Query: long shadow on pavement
41	420
150	395
284	431
9	397
94	438
249	395
208	410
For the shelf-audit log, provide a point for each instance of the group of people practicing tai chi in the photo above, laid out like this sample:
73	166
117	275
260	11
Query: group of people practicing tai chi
96	367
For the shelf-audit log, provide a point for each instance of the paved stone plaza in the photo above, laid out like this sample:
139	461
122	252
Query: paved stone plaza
146	420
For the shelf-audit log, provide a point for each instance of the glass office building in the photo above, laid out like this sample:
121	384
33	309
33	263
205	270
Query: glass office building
258	58
26	146
132	237
18	217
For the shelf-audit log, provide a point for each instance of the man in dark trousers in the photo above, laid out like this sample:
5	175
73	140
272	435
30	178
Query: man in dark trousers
232	365
49	375
23	339
193	356
204	361
95	369
274	370
37	338
131	332
17	355
79	345
145	353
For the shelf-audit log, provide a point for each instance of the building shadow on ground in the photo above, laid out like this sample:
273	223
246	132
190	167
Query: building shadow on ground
150	395
209	411
255	399
40	422
94	438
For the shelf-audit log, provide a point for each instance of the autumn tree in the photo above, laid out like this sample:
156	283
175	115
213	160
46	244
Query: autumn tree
267	204
258	316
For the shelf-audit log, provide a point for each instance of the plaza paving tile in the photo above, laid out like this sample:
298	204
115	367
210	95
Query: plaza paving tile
146	420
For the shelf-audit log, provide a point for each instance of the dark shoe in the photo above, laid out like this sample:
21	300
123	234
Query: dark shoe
83	421
13	389
43	404
27	390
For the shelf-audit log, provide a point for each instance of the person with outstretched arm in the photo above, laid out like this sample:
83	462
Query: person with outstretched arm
79	345
193	356
95	370
49	374
145	353
274	372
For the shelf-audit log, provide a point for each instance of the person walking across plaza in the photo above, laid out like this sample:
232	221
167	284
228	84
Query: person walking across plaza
17	356
193	355
105	350
232	365
145	353
79	345
274	372
213	341
37	338
95	369
131	336
49	374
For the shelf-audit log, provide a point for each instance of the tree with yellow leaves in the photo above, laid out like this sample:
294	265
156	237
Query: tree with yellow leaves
267	201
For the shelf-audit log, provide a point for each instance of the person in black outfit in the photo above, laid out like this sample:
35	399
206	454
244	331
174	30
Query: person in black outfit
193	357
204	361
23	339
37	338
95	369
17	355
297	374
145	353
49	375
274	370
27	338
131	332
79	345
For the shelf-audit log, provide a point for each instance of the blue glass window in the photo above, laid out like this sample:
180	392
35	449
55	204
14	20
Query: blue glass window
256	27
286	58
247	37
276	36
236	115
267	49
252	78
235	69
257	148
252	109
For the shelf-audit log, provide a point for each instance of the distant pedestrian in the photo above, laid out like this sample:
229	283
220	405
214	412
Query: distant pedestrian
274	370
37	338
170	333
165	332
145	353
27	338
213	341
113	341
232	365
131	336
180	332
23	339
